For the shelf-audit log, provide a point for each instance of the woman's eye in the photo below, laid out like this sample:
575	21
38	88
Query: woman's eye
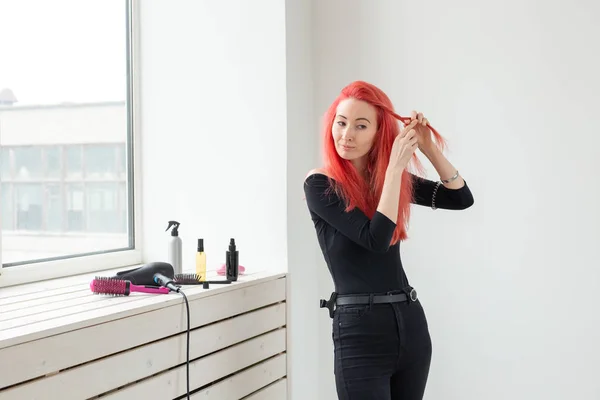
362	127
341	123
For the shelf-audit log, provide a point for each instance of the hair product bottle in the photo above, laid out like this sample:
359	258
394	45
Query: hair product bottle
232	265
174	247
201	261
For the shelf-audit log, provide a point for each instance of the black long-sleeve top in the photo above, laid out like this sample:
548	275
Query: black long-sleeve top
357	249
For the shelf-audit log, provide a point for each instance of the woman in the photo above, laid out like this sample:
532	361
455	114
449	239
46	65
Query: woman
360	205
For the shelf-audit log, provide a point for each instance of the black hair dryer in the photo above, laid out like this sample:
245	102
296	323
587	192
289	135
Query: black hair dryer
144	275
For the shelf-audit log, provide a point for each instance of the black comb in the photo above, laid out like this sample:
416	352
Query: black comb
194	279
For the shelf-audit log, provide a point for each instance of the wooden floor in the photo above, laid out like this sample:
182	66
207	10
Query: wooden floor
58	340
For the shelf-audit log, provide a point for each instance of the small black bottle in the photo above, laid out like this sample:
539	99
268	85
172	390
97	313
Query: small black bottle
232	266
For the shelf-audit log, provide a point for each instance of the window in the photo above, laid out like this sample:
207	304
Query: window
66	137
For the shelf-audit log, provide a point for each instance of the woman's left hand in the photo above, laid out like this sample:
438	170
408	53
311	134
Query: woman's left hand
423	132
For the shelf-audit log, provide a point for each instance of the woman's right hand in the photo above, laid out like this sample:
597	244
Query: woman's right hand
404	147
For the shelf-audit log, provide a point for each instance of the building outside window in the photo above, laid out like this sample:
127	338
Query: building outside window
66	179
74	190
59	198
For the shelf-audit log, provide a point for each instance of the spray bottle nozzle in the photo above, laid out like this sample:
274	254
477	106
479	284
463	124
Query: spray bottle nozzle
232	244
175	231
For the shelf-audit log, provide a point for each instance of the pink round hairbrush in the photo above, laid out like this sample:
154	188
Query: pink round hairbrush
118	287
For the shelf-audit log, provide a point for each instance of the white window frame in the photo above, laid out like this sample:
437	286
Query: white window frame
39	271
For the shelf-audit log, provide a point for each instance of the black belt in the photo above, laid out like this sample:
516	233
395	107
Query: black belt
345	300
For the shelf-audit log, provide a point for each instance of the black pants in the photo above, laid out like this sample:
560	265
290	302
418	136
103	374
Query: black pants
382	351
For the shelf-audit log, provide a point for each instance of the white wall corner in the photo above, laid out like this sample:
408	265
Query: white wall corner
302	151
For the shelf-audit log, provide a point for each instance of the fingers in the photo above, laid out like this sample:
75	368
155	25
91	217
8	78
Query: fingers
408	127
409	134
419	117
412	138
416	116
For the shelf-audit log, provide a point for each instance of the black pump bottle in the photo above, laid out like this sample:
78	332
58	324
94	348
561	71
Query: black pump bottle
232	266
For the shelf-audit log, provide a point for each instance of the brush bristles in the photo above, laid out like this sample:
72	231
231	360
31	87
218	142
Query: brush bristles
111	286
187	279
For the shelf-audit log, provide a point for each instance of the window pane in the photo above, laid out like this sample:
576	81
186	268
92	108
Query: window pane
75	209
5	163
54	208
53	162
123	207
121	161
100	161
6	207
64	117
103	208
28	162
74	168
30	201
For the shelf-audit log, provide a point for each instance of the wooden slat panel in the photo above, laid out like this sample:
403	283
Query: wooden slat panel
150	359
53	304
82	288
56	304
246	382
126	307
208	369
276	391
52	284
23	305
59	303
57	352
83	304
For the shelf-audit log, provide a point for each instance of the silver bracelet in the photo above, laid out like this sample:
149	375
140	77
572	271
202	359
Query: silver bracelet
446	181
433	207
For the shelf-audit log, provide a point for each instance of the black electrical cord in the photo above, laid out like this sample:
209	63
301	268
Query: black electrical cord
187	350
164	281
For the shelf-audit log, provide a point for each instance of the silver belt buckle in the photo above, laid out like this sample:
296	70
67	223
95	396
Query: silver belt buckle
413	295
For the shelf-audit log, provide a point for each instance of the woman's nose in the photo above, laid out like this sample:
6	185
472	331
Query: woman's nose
347	134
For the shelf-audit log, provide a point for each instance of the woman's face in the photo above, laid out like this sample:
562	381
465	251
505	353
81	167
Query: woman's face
354	129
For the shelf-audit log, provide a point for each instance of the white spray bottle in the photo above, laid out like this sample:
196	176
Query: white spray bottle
174	248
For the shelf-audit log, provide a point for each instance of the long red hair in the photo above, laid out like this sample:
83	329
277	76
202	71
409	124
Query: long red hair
349	184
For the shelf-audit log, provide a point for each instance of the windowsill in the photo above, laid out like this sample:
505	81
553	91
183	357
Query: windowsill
39	272
41	309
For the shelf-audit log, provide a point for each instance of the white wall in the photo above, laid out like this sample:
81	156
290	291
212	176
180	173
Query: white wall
510	286
303	262
214	129
225	152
